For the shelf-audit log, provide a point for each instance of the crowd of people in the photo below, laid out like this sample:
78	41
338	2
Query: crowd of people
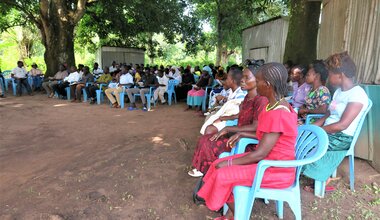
277	99
268	100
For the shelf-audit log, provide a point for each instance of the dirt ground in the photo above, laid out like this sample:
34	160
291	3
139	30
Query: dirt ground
63	160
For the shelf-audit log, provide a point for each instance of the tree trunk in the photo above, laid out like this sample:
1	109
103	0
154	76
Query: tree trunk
57	22
301	42
219	33
59	47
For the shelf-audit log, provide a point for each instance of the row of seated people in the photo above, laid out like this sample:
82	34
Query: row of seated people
30	80
266	115
124	79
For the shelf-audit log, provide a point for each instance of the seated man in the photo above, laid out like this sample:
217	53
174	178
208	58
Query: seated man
147	80
19	74
125	79
36	75
97	71
162	83
73	77
76	88
52	81
105	78
231	107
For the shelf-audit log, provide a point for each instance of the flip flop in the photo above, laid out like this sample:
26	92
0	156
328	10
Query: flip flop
330	189
195	173
223	218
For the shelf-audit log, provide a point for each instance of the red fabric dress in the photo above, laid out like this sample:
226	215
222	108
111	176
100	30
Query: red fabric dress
208	151
219	183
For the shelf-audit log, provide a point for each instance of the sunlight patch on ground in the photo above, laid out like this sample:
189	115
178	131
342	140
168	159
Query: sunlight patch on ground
117	115
18	105
159	140
60	105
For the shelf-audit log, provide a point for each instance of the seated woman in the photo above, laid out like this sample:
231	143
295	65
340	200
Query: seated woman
231	107
347	107
210	146
318	98
300	87
277	132
195	95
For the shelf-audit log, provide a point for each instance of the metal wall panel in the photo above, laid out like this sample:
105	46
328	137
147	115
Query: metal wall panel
354	26
271	35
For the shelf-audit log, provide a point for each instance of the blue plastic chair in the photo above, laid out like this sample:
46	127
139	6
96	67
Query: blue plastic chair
85	98
310	117
170	90
2	86
100	93
122	96
204	99
7	77
148	96
311	145
319	186
14	85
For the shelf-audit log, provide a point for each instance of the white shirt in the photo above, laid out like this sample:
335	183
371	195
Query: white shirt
19	72
339	103
73	77
163	80
97	72
112	69
126	79
237	94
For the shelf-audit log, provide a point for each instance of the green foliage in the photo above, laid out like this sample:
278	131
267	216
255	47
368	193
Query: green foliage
233	16
133	24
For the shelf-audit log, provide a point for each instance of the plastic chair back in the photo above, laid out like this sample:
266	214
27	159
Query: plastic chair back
171	90
319	186
311	145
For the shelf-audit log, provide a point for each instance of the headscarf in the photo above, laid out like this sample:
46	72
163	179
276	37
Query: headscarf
208	69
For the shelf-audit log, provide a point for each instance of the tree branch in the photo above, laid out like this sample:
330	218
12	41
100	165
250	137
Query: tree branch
23	9
79	12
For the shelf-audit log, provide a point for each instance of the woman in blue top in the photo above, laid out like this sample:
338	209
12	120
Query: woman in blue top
347	107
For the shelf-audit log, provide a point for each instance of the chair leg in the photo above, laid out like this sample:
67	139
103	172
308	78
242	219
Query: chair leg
352	172
225	209
280	209
98	94
333	175
84	95
319	188
68	93
121	99
295	205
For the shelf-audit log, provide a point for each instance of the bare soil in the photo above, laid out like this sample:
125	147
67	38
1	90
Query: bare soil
62	160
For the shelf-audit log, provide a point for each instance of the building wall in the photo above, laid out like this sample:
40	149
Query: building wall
354	26
266	41
106	55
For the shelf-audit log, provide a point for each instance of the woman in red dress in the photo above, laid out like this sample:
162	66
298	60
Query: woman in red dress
276	131
210	146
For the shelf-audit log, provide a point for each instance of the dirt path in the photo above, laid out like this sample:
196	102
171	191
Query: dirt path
60	160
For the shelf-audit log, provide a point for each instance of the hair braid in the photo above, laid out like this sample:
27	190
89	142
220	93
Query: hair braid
277	75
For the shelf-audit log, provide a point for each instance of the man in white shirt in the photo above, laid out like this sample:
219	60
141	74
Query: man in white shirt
125	81
19	75
72	78
97	71
113	67
161	89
